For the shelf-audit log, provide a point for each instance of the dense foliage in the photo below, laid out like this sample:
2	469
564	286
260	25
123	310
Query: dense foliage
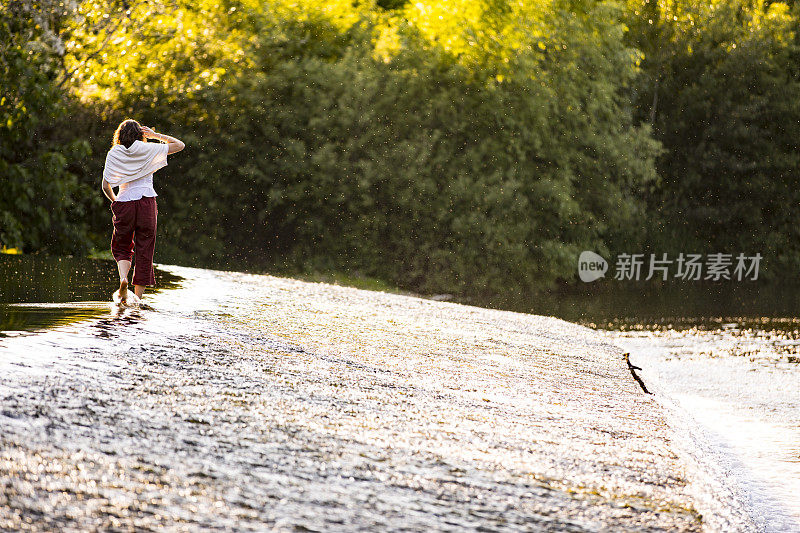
466	146
721	87
42	205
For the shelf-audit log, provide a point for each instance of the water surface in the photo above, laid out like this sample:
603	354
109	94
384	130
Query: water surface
38	292
254	403
235	362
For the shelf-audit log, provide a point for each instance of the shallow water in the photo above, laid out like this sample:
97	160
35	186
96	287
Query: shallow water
39	292
256	403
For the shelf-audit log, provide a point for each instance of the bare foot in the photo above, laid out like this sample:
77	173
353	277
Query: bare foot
123	291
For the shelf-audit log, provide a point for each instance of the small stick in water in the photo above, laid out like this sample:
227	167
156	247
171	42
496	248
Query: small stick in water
633	369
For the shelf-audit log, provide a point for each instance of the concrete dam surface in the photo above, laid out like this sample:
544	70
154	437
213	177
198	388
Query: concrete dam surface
255	403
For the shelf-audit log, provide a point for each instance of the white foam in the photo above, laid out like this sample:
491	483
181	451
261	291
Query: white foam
131	300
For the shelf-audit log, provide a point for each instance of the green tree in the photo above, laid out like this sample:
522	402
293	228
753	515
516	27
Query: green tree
468	147
721	89
43	205
477	152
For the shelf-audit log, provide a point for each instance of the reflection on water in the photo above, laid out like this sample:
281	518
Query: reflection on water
38	292
31	317
120	317
675	306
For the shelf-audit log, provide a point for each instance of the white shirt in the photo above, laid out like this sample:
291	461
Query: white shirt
131	168
136	189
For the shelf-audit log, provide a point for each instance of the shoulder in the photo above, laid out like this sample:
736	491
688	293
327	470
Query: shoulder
113	151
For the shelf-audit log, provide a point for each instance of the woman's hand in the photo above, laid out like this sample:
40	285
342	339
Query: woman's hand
108	190
148	133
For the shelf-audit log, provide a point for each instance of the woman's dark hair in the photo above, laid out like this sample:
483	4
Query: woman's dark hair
127	132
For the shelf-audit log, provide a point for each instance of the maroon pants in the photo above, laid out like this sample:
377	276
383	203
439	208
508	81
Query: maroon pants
135	229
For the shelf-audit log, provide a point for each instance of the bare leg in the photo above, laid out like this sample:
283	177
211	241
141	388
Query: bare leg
124	267
138	290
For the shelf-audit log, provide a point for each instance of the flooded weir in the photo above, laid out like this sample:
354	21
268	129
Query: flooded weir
246	402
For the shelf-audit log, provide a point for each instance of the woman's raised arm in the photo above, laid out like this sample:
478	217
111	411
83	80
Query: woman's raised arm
173	144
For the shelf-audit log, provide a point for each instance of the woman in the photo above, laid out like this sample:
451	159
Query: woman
130	165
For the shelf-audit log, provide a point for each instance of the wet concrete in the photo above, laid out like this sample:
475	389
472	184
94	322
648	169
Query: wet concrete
246	402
